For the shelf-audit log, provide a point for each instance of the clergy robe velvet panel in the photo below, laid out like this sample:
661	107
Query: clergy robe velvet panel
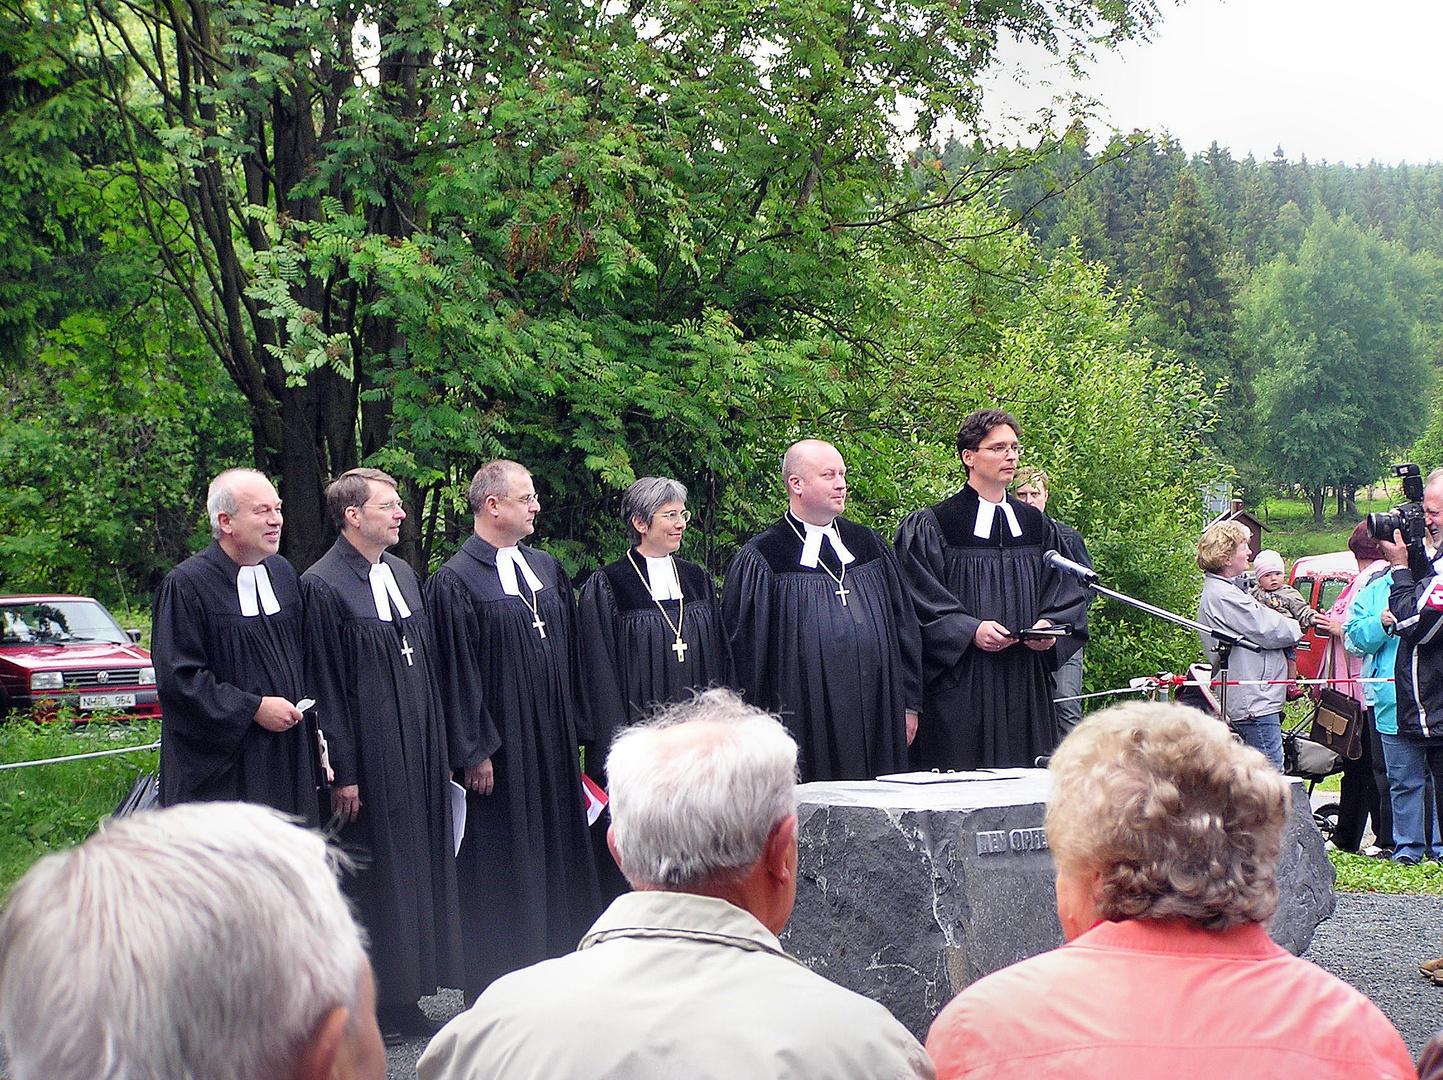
212	666
983	709
379	710
840	676
525	870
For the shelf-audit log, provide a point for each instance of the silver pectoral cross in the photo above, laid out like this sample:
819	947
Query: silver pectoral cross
843	592
538	623
407	651
679	647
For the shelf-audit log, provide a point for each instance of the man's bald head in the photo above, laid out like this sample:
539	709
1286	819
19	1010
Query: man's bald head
799	454
697	790
816	478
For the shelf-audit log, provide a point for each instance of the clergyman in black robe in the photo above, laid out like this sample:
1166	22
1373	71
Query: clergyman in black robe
988	694
651	632
832	647
229	662
370	655
504	617
633	613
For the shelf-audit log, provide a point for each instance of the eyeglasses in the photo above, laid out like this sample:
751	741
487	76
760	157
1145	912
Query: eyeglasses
385	507
1004	449
671	517
525	500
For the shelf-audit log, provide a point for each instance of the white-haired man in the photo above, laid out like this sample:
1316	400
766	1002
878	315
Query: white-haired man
207	940
685	977
229	661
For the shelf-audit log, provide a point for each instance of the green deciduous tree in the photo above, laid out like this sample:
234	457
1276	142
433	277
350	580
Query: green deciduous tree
1343	383
483	227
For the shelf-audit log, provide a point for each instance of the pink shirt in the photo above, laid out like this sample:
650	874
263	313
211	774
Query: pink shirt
1345	664
1151	998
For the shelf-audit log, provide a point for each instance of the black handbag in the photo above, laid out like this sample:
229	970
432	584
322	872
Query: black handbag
1337	718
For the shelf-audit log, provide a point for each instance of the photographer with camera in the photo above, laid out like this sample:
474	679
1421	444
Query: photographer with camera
1416	603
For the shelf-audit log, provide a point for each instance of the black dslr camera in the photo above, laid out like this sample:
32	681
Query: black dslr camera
1406	518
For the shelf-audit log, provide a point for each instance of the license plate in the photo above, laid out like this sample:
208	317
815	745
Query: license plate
107	701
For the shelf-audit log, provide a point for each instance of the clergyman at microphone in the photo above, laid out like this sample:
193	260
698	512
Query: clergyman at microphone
975	569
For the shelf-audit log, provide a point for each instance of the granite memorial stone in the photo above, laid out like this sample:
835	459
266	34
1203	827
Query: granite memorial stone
908	891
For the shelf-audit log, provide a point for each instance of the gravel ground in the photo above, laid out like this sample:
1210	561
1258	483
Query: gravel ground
1373	942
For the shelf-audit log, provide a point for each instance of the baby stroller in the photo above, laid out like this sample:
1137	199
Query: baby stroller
1310	761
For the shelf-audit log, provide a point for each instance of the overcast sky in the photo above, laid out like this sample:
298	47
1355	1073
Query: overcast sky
1347	82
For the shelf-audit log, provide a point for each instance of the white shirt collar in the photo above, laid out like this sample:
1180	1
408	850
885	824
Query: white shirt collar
509	560
662	578
812	544
987	511
253	590
386	592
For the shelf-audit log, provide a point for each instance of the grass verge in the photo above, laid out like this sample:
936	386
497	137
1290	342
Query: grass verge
1358	873
45	808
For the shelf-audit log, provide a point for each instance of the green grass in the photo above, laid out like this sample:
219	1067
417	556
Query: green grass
1359	873
1293	533
46	808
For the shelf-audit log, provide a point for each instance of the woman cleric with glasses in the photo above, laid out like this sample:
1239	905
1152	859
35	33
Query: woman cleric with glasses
651	629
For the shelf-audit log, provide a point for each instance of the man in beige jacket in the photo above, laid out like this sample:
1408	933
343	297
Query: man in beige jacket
685	976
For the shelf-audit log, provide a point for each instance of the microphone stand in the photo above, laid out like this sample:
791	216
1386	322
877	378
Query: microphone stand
1224	641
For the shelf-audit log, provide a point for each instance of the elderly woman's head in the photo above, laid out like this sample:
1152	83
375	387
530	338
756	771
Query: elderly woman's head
1219	544
1157	813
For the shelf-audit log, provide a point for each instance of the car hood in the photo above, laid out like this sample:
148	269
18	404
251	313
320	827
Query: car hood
60	657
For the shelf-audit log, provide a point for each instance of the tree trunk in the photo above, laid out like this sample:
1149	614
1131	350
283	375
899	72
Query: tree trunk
1318	495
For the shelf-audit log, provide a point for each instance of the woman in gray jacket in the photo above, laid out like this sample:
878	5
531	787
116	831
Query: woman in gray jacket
1254	711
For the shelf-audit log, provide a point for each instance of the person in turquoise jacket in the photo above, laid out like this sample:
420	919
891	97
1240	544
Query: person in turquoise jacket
1369	633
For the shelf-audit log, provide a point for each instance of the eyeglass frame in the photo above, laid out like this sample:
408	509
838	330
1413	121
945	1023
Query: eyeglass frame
1004	449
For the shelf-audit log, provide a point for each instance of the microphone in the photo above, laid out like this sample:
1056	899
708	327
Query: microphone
1058	561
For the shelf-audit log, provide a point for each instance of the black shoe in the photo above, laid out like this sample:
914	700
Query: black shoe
1405	860
400	1023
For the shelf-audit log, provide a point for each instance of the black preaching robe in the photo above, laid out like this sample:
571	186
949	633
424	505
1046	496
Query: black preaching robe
982	709
841	677
526	875
381	715
628	662
212	666
629	665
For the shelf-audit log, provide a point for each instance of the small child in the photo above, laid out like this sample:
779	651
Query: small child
1270	590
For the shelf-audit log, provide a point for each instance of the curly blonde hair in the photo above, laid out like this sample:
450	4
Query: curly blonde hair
1218	542
1179	820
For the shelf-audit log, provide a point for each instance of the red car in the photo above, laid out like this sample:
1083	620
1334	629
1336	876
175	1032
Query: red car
68	650
1321	579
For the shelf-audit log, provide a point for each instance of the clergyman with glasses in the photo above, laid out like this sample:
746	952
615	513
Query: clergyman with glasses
651	629
369	654
504	618
822	630
986	601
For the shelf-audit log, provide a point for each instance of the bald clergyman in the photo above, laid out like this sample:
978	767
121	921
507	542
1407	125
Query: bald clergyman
822	629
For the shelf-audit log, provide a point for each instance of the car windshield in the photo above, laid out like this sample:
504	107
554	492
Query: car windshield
58	622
